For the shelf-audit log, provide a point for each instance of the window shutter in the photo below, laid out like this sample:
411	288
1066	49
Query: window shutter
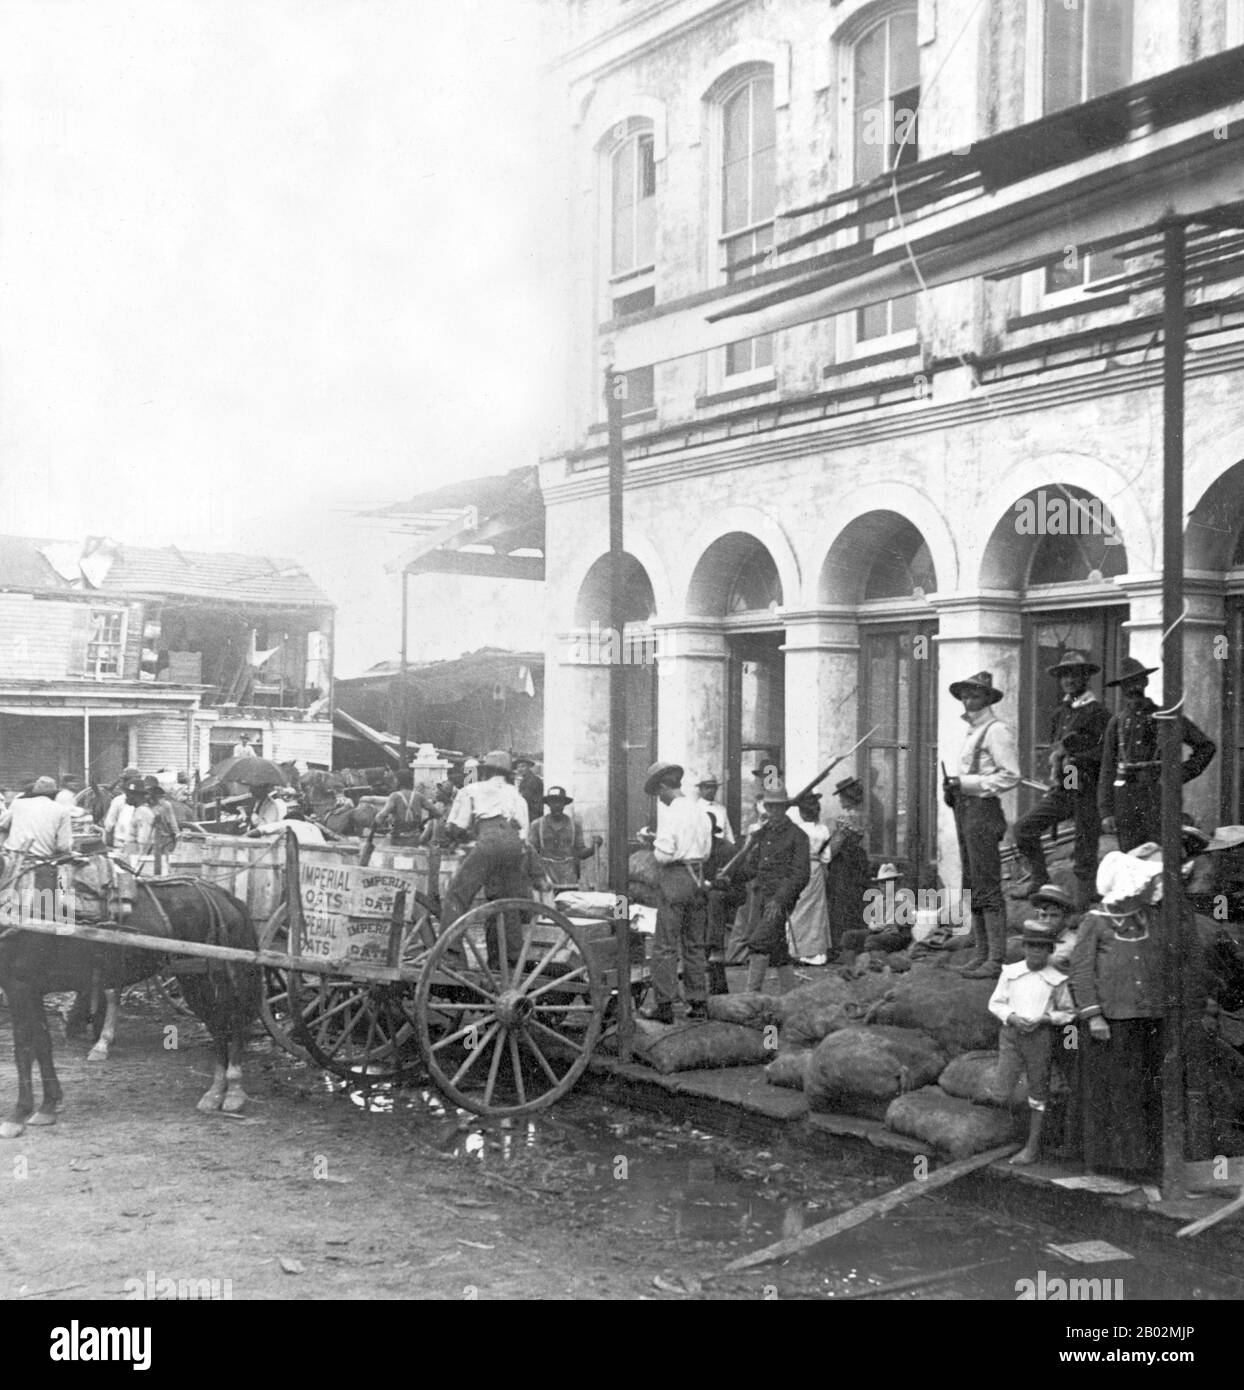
79	631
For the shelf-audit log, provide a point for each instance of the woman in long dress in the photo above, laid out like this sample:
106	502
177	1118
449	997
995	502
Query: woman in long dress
849	875
809	922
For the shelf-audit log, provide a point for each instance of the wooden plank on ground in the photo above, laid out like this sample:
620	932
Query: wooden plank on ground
875	1206
1227	1209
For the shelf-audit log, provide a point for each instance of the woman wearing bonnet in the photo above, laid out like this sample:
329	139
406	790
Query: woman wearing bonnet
1118	982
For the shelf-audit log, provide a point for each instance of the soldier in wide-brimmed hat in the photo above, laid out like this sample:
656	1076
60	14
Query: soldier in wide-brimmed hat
988	767
1076	732
1129	793
776	864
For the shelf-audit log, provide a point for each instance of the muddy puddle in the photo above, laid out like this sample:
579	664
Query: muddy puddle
636	1178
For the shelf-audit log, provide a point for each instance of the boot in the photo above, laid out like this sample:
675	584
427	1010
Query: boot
995	934
757	969
979	953
717	983
786	978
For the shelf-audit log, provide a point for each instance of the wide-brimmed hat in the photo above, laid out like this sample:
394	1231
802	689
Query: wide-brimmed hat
661	772
1123	879
710	779
558	794
1129	669
134	786
1037	934
982	681
1072	662
498	759
44	786
887	871
848	784
1226	837
807	798
523	758
776	796
131	771
1052	893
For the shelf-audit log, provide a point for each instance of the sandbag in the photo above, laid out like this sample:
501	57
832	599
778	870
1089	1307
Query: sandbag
642	882
869	1065
751	1010
790	1068
580	902
952	1010
693	1046
954	1126
813	1012
971	1077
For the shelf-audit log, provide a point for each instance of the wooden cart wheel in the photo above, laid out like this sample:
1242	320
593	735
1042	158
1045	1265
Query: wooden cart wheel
523	1021
274	1007
358	1030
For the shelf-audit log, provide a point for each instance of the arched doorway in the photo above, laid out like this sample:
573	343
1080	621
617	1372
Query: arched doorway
1061	550
634	649
882	567
1215	544
736	583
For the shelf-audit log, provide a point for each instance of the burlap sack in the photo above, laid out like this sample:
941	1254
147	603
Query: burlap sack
954	1126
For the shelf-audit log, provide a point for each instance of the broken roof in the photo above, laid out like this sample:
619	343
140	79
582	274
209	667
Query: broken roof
97	565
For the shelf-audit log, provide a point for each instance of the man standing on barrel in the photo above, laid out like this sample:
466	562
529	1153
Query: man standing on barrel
988	767
1130	792
1076	733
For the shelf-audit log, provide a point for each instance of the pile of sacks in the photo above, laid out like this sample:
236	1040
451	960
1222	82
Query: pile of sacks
914	1050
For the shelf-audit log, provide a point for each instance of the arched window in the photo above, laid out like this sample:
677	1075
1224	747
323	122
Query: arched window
885	96
756	587
633	200
630	185
748	198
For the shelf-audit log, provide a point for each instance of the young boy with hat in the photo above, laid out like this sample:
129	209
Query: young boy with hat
1030	998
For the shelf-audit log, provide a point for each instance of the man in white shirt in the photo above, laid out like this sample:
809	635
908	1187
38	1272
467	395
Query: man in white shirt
36	824
708	788
496	815
117	806
988	766
683	841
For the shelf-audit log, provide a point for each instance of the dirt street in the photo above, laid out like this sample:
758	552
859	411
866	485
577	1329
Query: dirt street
317	1192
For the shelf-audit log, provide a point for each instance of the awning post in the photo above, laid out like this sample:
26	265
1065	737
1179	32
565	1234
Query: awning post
1171	732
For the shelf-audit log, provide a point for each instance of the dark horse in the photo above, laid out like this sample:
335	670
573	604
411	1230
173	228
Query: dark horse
225	996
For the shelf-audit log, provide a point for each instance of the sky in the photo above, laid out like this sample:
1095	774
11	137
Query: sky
264	263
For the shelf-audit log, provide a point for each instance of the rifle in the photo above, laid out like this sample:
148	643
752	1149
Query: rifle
812	785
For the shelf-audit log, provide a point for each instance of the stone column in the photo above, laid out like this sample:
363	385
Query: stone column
576	725
1204	632
691	695
822	654
976	632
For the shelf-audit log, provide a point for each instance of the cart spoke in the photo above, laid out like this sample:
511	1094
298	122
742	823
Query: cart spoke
559	1038
494	1067
470	984
344	1036
541	1058
503	949
475	1055
522	955
544	960
516	1063
484	967
323	1015
579	973
463	1032
373	1020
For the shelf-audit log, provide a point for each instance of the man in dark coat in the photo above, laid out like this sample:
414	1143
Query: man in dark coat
777	864
1076	733
530	787
1129	793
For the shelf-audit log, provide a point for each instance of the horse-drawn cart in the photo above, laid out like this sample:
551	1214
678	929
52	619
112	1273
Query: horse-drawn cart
502	1009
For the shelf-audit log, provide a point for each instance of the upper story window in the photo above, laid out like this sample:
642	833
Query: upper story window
105	646
633	201
748	200
885	97
1086	50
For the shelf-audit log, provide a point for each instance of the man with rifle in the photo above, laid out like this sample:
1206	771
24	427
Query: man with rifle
988	767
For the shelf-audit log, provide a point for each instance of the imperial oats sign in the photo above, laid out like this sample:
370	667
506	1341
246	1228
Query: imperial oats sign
347	910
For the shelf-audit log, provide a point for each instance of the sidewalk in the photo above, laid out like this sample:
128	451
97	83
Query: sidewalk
739	1102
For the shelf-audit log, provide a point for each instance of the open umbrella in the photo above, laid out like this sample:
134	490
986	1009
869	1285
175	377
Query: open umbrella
252	772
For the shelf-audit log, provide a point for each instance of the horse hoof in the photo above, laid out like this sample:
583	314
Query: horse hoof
234	1100
11	1129
210	1103
97	1054
42	1118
